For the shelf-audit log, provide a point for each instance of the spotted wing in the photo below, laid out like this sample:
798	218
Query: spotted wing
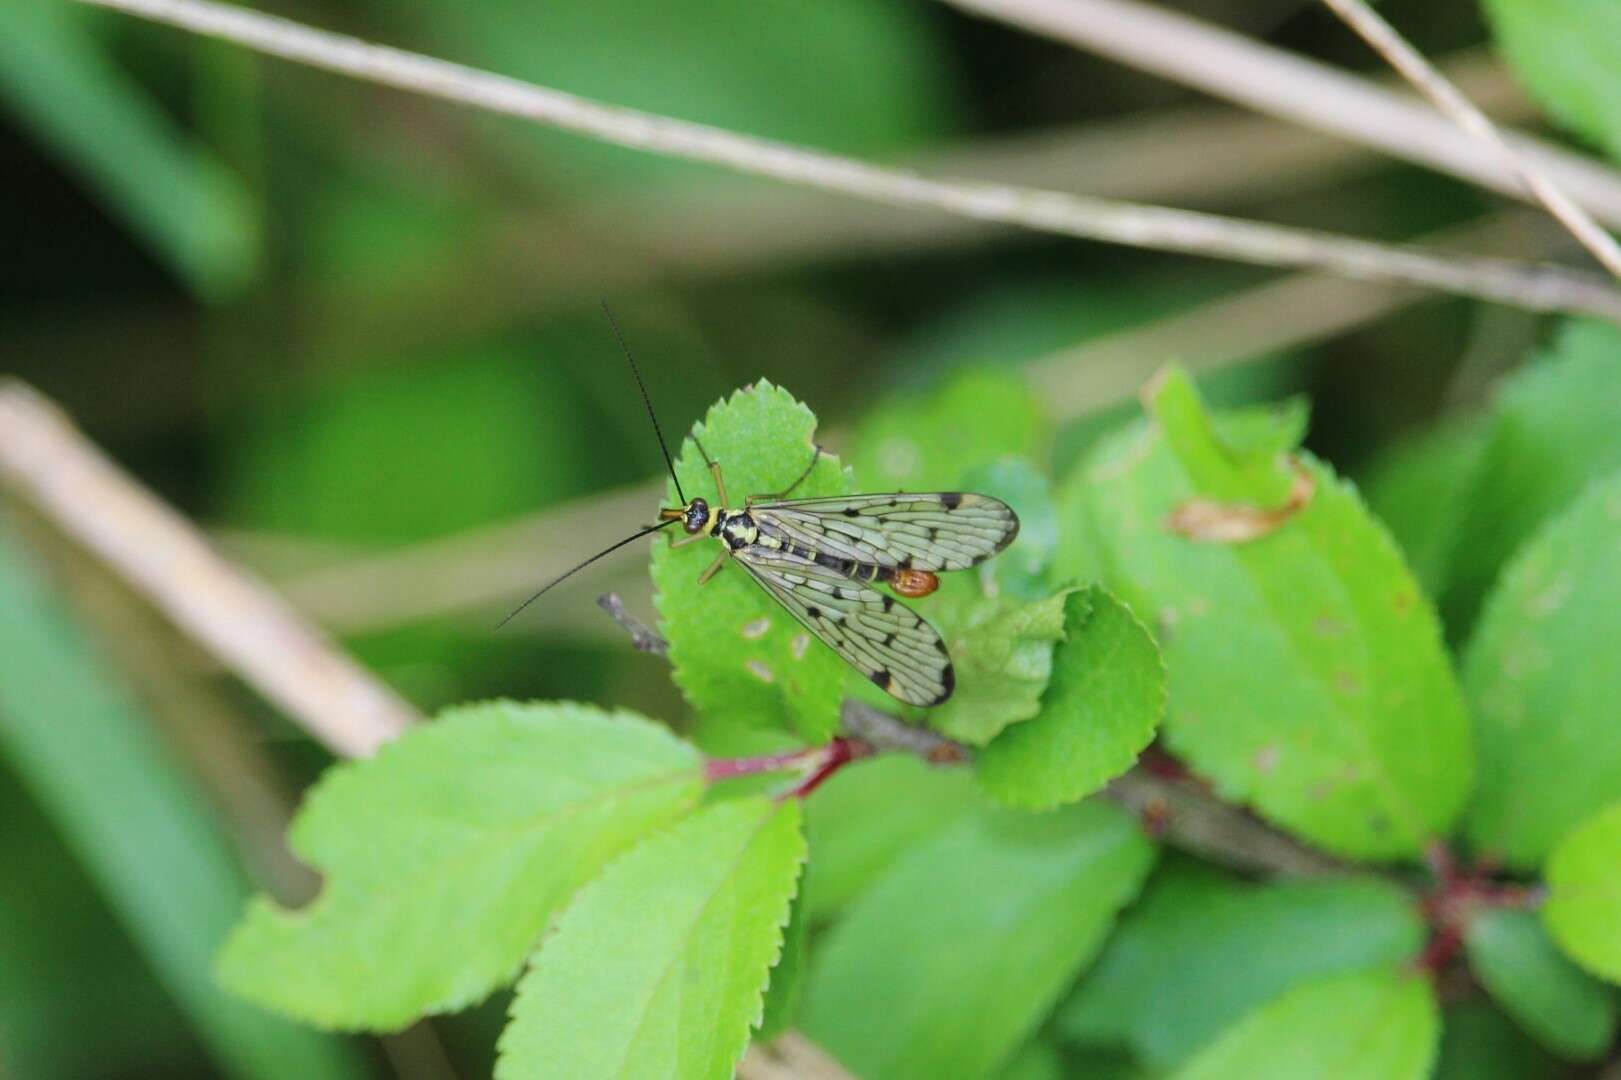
943	530
882	638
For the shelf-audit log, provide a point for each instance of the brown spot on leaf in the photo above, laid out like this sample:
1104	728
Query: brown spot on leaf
1266	759
756	628
1211	522
760	671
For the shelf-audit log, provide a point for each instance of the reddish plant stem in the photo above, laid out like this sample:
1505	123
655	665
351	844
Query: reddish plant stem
1460	893
840	752
816	762
728	768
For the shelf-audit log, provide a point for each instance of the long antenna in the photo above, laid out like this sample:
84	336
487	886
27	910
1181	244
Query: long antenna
574	570
645	400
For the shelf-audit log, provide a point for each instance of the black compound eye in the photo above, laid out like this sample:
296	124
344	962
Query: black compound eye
697	516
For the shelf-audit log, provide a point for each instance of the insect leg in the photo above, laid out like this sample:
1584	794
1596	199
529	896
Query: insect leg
714	567
693	435
720	485
685	540
789	490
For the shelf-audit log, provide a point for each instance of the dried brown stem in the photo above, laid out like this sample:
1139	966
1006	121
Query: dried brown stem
1537	287
1269	80
1450	100
1186	815
790	1056
644	637
237	619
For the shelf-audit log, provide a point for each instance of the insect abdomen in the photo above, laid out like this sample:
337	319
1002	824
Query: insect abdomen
914	583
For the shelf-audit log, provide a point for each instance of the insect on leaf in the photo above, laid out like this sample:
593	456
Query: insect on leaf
736	654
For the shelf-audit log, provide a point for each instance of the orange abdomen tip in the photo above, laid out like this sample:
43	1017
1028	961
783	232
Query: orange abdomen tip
915	583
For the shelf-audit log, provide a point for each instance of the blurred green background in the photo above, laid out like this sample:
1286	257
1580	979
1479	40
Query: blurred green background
333	323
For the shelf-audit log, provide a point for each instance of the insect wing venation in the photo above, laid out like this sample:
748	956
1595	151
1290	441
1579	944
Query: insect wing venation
883	639
921	531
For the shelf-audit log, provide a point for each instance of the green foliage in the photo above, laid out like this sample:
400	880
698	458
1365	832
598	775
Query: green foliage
1307	674
1553	429
1479	1043
54	919
1035	1061
727	667
1098	712
1024	902
177	196
725	62
1541	676
145	836
1553	999
1568	54
1004	657
1374	1025
426	359
780	1010
1414	488
448	854
382	432
657	968
1200	950
1583	910
915	441
871	814
1021	571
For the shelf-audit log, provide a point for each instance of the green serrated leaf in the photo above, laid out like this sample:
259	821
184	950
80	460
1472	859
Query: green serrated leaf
1202	949
1003	664
1553	999
1099	711
869	815
1541	676
1479	1043
93	761
658	967
1253	434
735	652
446	855
1374	1025
780	1010
1568	55
1554	428
910	442
1583	911
1307	674
951	960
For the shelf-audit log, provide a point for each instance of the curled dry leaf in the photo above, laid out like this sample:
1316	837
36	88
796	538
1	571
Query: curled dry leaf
1212	522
